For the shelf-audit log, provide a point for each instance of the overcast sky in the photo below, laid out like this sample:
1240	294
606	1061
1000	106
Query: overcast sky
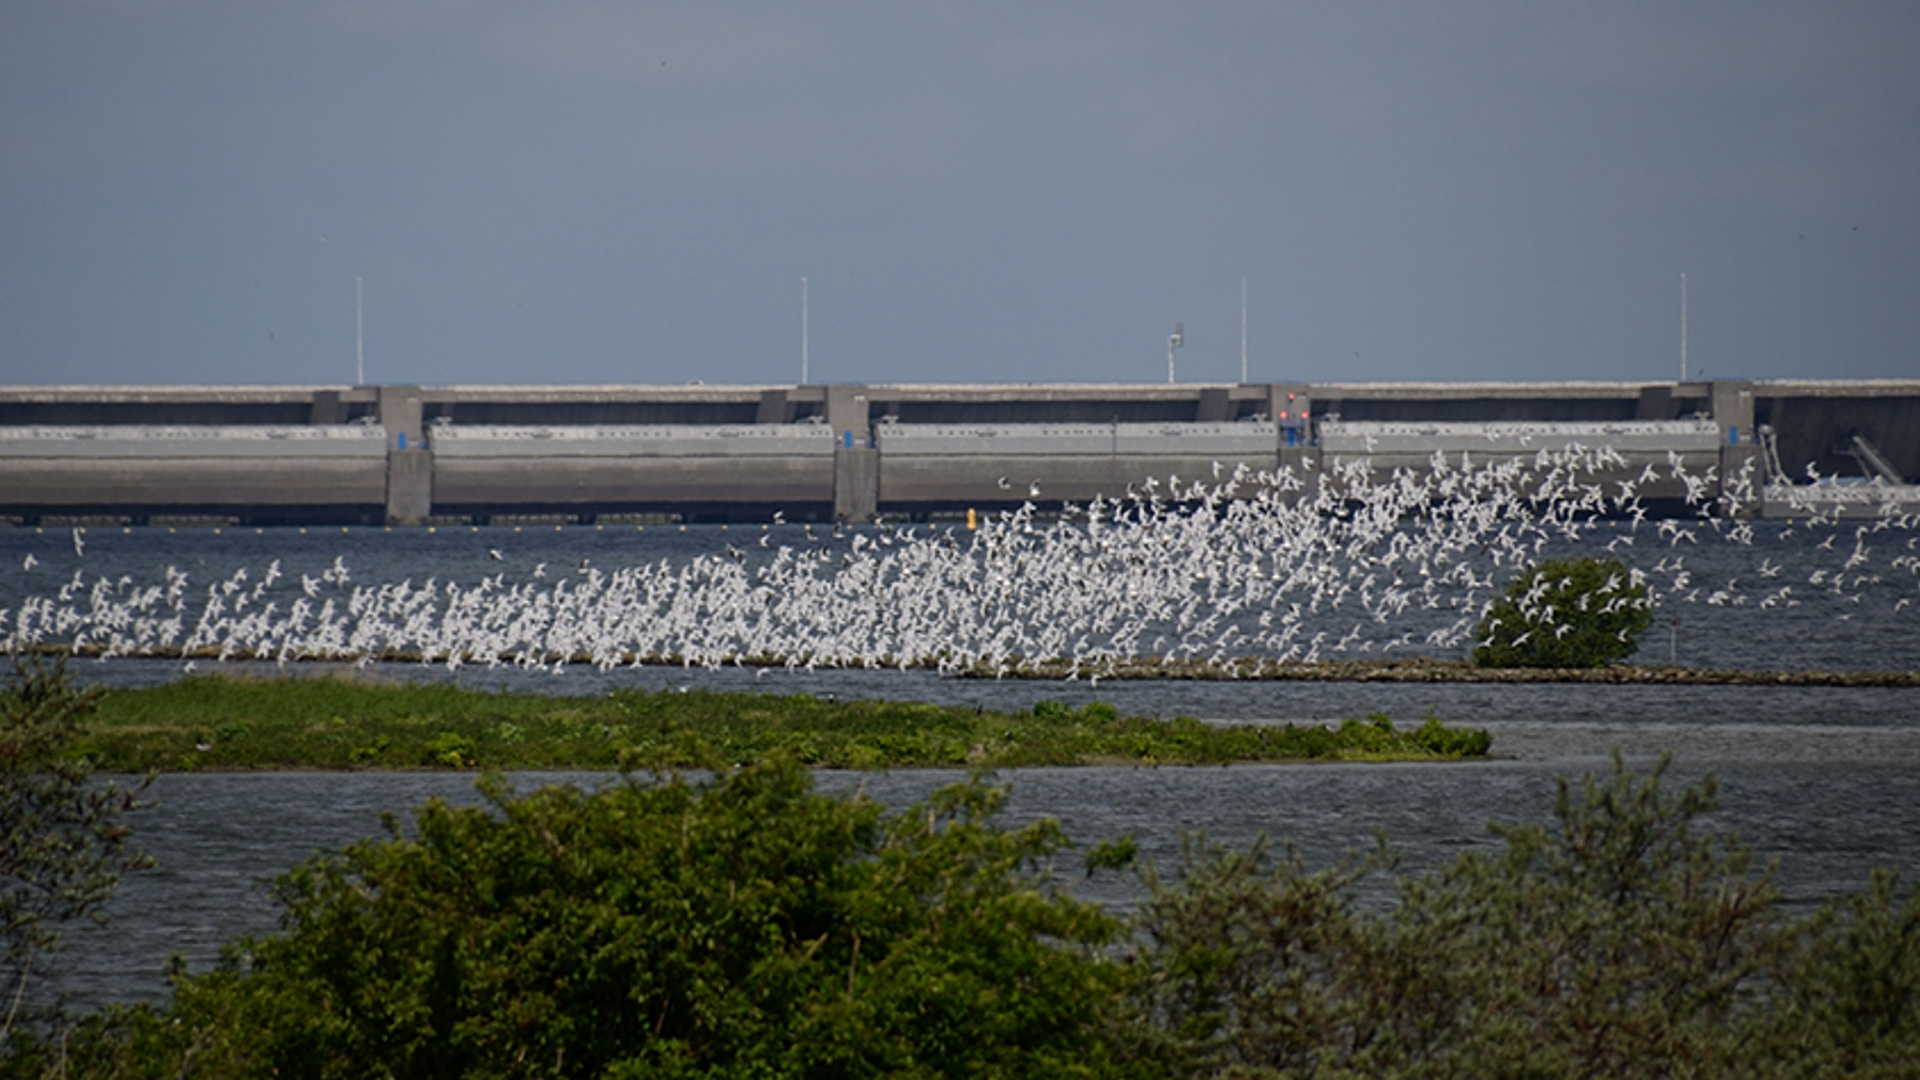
587	192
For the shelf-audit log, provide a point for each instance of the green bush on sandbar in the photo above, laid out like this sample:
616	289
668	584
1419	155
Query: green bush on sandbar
1580	612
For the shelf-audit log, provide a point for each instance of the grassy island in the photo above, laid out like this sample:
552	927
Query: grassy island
328	723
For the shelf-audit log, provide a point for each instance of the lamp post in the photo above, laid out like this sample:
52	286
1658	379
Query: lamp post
1683	328
1173	342
1243	331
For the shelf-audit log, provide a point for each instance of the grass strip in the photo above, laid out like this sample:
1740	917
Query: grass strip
226	723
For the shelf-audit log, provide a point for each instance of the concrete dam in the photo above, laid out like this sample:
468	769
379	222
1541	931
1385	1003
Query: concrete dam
410	455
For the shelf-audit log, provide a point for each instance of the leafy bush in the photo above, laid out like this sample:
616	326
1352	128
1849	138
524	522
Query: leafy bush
1051	710
1579	612
1617	942
750	927
63	845
742	927
1453	742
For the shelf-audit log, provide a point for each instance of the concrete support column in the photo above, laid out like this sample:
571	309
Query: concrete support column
1656	402
409	460
774	408
1291	406
1732	406
1215	405
326	409
409	486
847	414
399	409
856	484
856	465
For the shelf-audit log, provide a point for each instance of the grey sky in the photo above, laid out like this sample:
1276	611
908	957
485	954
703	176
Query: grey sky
620	192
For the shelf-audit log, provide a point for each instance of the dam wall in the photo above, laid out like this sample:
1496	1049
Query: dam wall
411	454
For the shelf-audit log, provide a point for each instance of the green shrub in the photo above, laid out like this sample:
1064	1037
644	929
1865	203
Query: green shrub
742	927
748	926
1855	987
1579	612
1453	742
1617	941
450	749
63	840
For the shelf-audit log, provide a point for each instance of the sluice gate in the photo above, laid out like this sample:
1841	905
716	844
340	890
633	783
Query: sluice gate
405	454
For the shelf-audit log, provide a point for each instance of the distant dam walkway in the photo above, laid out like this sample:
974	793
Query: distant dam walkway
411	455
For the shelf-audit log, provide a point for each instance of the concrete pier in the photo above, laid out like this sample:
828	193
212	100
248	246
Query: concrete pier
413	455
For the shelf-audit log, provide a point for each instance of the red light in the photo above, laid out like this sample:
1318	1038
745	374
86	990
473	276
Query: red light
1289	397
1283	414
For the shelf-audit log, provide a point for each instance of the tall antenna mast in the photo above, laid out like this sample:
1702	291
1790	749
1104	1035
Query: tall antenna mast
1683	328
803	331
1243	330
359	335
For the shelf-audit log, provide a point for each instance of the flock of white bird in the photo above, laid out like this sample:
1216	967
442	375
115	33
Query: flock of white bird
1284	565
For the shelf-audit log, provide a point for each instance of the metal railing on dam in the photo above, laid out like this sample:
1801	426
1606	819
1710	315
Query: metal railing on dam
411	454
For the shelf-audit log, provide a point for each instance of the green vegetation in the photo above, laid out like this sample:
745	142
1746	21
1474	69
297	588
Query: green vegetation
1578	612
63	843
1619	942
750	927
747	926
219	723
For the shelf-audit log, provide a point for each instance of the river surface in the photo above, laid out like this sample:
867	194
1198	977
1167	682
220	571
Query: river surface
1827	780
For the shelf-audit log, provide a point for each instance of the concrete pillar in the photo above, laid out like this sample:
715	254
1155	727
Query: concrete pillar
399	410
847	413
856	465
774	408
1732	406
856	484
409	460
409	486
1216	405
1656	403
327	409
1291	407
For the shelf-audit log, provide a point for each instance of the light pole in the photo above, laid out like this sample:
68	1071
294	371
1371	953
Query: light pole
1243	331
1173	342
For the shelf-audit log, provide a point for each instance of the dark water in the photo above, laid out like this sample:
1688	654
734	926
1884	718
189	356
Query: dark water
1827	780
